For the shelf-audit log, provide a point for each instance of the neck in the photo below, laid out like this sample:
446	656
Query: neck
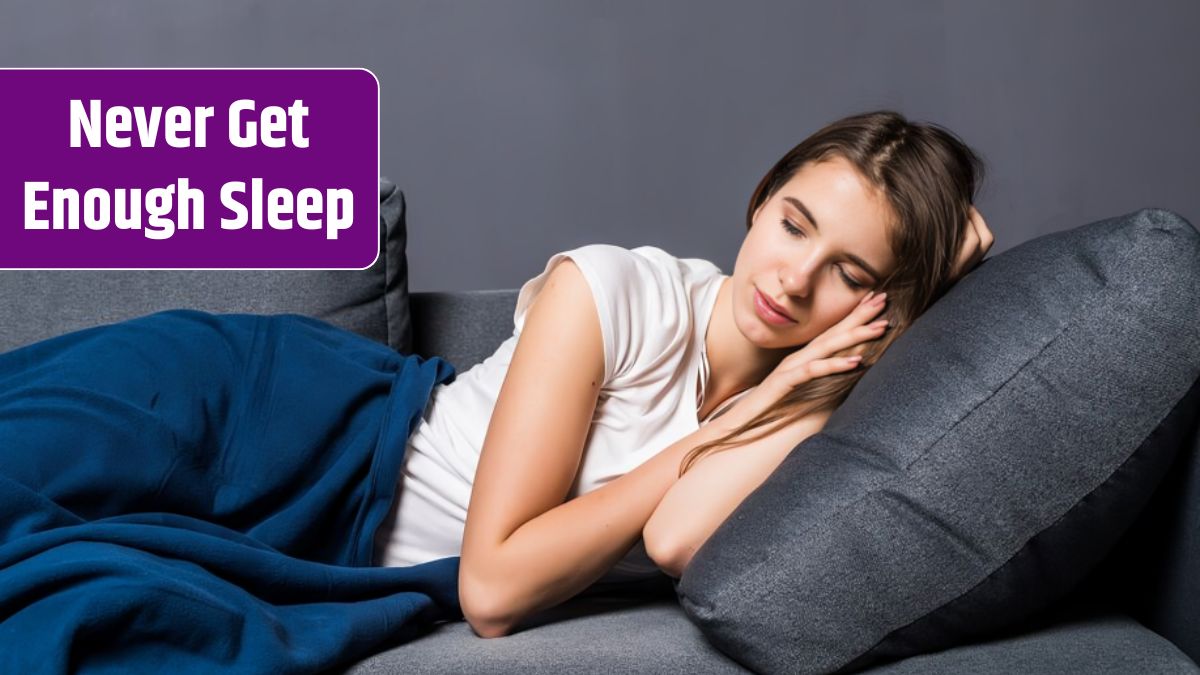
734	362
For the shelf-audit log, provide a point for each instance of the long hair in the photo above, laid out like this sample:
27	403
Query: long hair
929	178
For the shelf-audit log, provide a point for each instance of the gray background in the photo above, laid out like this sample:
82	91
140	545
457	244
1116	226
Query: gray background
518	128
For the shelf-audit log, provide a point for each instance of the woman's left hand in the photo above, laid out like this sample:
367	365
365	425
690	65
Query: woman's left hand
976	242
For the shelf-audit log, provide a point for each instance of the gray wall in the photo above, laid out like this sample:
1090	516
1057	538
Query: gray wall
518	128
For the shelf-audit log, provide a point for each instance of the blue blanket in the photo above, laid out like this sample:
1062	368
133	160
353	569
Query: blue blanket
193	492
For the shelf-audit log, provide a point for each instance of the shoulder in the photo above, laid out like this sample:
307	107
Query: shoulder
682	270
644	282
619	265
642	295
620	279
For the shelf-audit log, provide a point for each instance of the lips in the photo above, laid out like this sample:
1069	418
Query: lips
777	308
774	307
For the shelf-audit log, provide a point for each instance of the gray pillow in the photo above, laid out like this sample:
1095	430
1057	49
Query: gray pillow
978	472
374	302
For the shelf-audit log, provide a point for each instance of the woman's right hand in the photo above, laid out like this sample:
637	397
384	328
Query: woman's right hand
815	359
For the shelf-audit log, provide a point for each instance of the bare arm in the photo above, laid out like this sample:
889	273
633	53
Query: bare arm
713	488
525	550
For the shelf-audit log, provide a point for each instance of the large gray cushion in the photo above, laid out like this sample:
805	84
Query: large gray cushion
980	469
38	304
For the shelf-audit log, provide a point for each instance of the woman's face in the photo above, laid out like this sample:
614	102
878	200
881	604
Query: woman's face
810	271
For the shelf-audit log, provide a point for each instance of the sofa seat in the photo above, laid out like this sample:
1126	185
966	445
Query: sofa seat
617	635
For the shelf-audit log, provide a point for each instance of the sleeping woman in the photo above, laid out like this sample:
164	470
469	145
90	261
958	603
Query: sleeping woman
274	493
642	396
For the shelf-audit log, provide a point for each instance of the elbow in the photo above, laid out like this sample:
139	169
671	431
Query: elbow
672	562
484	627
670	557
482	608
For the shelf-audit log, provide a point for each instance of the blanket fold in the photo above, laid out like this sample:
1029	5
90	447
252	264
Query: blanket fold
199	492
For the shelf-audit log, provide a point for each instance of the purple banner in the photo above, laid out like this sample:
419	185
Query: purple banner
189	169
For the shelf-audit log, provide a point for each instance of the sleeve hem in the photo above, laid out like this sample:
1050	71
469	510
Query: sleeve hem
599	296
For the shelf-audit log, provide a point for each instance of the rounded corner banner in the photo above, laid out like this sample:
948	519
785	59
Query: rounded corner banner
189	168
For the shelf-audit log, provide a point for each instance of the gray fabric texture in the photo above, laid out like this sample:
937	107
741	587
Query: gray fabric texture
629	635
984	466
373	302
1152	573
393	233
594	635
462	328
1092	643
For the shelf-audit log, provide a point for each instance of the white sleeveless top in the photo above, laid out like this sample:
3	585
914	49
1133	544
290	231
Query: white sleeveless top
654	310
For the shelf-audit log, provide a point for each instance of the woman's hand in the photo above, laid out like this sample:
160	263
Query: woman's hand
816	359
976	242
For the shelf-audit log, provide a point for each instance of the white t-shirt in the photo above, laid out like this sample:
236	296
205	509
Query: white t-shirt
654	310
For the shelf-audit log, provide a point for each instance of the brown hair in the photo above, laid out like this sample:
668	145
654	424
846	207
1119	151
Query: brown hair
929	178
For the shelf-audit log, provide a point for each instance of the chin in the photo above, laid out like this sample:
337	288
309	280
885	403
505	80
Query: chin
760	334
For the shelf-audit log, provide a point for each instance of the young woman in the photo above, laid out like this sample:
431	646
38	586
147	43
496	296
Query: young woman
642	396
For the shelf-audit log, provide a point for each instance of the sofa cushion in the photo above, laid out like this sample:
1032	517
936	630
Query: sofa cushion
38	304
981	468
1086	644
652	635
598	634
1151	573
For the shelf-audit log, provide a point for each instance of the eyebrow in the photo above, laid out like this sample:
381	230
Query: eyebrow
853	258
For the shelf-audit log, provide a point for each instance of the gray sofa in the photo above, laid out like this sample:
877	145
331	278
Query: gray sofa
1136	614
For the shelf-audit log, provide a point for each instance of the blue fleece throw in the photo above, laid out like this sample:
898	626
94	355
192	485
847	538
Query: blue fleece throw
187	492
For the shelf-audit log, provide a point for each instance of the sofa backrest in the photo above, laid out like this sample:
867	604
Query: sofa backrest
463	327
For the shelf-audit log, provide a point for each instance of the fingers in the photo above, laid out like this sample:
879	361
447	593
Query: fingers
967	251
822	367
986	238
867	308
861	334
794	376
983	235
842	363
977	239
855	328
816	359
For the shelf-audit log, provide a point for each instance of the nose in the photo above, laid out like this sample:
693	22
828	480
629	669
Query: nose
796	275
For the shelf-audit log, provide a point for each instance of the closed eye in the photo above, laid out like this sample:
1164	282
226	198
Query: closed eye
793	230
